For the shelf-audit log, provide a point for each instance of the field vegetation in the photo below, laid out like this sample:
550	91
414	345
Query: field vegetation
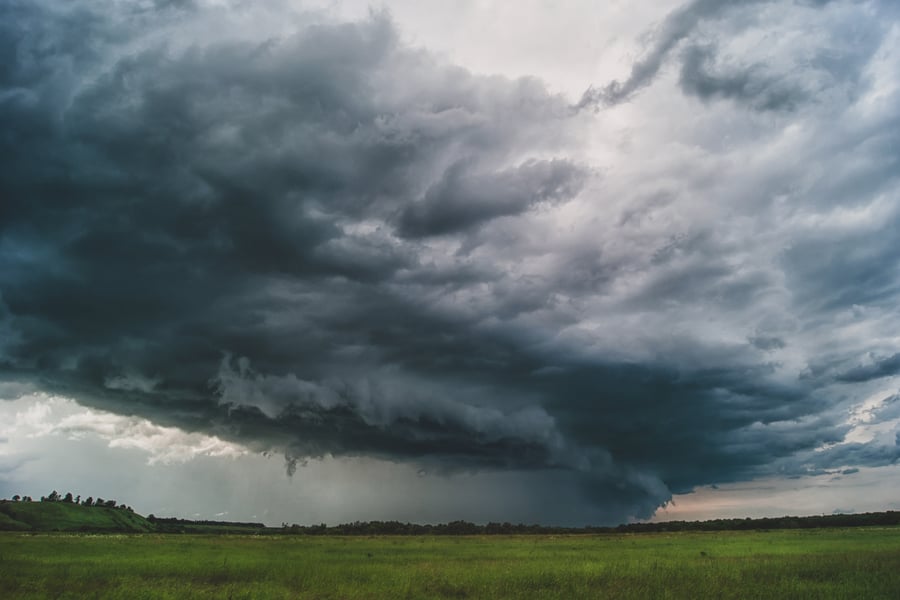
814	563
61	547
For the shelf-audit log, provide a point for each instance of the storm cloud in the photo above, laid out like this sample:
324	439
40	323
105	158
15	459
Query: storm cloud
460	201
313	238
760	85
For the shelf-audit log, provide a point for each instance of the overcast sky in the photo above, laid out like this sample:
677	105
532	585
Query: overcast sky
566	263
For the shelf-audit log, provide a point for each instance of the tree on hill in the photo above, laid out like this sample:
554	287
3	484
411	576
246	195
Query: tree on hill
89	501
68	498
16	498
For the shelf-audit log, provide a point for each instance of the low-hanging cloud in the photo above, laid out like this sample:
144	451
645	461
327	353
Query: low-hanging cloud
387	415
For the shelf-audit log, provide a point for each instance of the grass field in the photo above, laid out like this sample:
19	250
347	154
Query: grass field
821	563
64	516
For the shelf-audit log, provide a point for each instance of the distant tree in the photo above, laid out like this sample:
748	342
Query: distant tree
78	499
16	498
27	499
110	504
43	498
99	501
89	501
53	497
68	498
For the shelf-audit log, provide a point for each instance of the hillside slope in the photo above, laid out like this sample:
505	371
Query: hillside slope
65	516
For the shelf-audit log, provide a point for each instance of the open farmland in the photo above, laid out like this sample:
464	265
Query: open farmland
817	563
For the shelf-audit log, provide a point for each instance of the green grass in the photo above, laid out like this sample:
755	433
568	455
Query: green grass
823	563
8	523
64	516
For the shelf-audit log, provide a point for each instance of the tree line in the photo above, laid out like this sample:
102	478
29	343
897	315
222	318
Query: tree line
68	498
887	518
177	521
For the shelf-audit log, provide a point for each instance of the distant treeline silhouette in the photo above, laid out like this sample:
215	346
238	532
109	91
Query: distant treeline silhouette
182	522
174	524
465	528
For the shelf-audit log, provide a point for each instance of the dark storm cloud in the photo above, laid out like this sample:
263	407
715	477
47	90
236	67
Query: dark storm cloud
325	242
764	342
186	203
705	426
835	269
675	28
461	200
749	84
824	461
883	367
888	410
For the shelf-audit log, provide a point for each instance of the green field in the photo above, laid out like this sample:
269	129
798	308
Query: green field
821	563
63	516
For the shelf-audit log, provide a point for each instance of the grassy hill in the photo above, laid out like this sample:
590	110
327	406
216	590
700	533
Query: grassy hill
65	516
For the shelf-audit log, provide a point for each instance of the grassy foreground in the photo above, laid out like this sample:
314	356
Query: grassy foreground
821	563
